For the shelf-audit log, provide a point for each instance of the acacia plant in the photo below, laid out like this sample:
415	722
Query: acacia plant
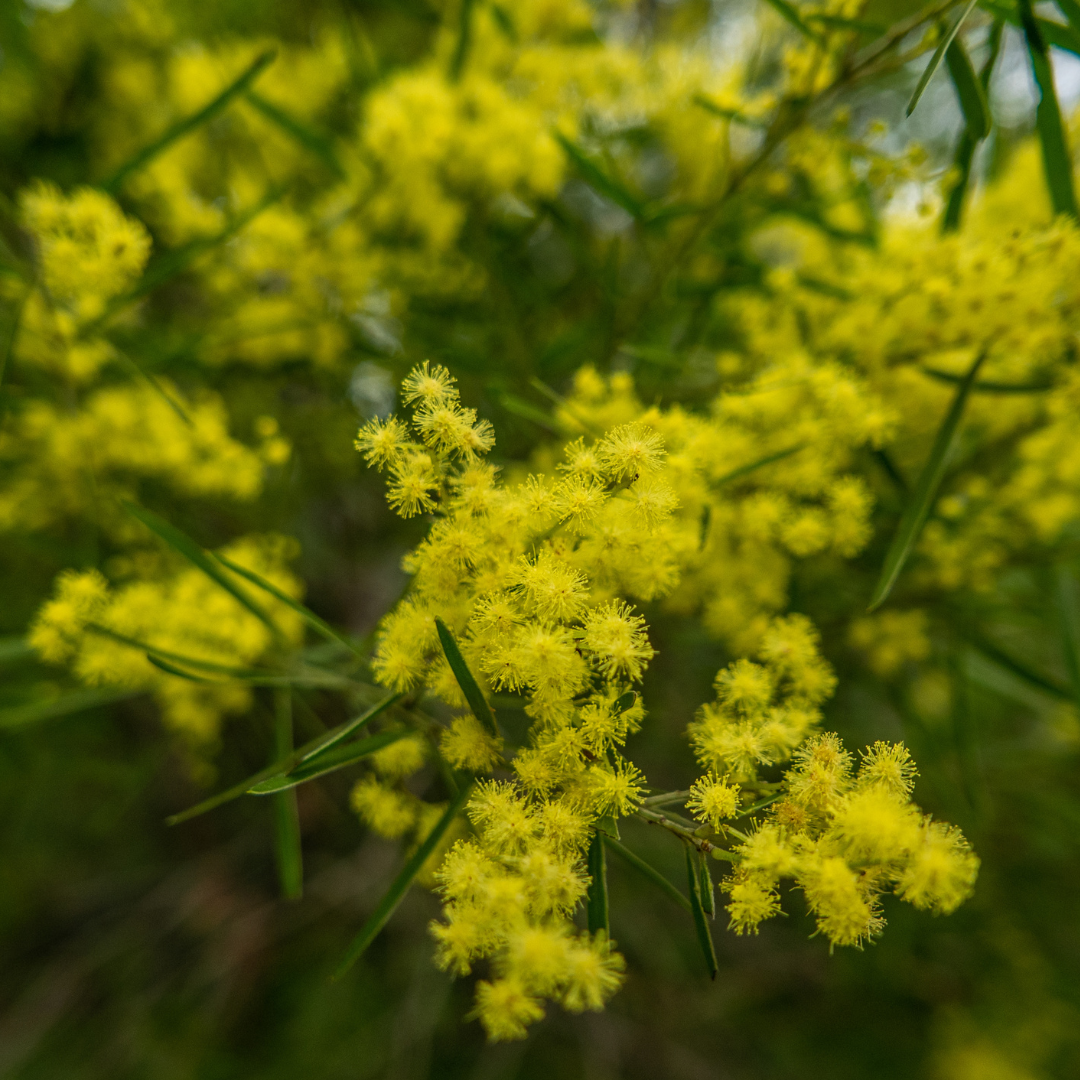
674	364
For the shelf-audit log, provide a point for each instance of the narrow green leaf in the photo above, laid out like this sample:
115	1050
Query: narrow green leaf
753	808
319	746
152	381
836	22
648	872
1068	604
625	701
307	752
63	705
464	40
288	849
939	54
197	556
705	884
310	140
395	894
174	262
1057	162
179	658
327	762
596	905
609	826
477	702
969	90
745	470
982	386
733	115
190	123
999	656
697	909
922	498
314	680
519	407
598	179
305	613
1053	33
791	15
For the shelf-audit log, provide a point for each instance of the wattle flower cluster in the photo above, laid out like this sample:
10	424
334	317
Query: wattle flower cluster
533	578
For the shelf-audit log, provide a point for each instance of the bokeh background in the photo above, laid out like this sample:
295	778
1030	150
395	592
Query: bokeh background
129	949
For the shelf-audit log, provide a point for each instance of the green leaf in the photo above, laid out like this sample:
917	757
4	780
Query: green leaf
733	115
190	123
790	14
305	613
836	22
317	747
316	680
922	498
705	884
753	808
697	909
327	762
179	259
596	904
939	53
310	140
464	40
1071	10
648	872
625	701
197	556
155	655
1068	604
969	90
152	381
477	702
984	387
288	850
598	179
63	705
306	753
519	407
1057	162
744	470
999	656
1053	33
395	894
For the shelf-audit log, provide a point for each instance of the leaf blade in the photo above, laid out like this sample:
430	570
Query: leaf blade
197	556
596	905
926	488
328	762
299	132
308	751
788	12
935	60
396	893
969	90
304	612
697	909
288	849
190	123
469	687
649	872
598	179
1057	162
